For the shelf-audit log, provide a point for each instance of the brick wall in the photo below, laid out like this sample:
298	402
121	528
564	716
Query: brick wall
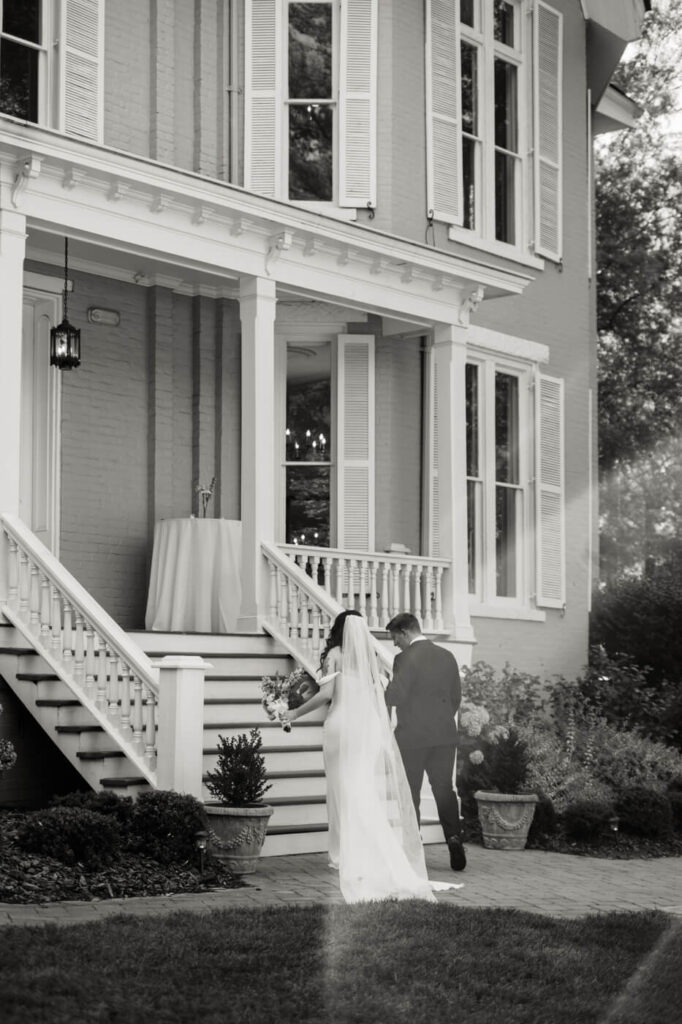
127	76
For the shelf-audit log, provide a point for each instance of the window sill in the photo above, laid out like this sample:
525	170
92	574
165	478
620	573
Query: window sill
507	252
328	209
516	612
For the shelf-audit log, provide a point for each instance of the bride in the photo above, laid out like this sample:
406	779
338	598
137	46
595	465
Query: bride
373	833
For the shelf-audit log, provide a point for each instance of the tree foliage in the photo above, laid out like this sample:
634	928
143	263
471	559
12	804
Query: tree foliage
638	177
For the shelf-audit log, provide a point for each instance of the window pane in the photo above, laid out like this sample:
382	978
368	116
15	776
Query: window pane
469	182
472	419
506	129
310	51
505	541
506	428
505	202
308	406
466	12
21	18
311	128
307	510
504	22
469	89
18	81
473	490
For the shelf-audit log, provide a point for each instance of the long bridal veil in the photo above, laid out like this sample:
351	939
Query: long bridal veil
381	854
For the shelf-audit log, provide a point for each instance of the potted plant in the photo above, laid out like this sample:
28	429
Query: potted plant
493	771
239	817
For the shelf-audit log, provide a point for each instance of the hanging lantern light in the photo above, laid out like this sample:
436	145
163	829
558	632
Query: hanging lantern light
65	340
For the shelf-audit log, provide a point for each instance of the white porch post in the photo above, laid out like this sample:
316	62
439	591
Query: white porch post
12	253
258	303
450	366
181	723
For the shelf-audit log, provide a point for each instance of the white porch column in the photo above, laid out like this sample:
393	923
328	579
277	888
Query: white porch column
257	298
181	723
12	252
450	367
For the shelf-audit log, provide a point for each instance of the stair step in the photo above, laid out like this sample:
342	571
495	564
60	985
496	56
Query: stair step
281	830
78	728
66	703
123	782
288	801
38	677
310	774
231	700
98	755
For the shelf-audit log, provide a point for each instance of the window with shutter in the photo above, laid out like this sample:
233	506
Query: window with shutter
549	496
81	69
356	423
310	100
547	78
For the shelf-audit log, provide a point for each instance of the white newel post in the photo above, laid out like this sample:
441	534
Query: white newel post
257	308
180	717
450	359
12	253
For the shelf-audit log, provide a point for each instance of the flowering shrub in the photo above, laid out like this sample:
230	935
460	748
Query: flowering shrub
508	698
8	754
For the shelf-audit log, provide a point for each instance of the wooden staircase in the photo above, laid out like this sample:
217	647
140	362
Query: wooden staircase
232	704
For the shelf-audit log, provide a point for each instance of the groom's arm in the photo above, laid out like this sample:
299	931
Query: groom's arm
400	685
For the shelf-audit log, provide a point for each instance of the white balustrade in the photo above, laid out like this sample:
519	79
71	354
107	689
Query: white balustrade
378	585
87	649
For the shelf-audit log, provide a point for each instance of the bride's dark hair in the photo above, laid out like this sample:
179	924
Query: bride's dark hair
336	633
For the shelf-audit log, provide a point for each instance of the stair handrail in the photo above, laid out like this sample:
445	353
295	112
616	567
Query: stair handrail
300	612
79	639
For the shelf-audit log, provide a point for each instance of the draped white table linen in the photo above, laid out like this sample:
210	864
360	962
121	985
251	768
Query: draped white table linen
195	578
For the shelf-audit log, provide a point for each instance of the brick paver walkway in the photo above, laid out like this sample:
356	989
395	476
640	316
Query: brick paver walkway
542	883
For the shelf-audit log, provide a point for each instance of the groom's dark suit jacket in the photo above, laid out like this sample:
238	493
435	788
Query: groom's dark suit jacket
426	691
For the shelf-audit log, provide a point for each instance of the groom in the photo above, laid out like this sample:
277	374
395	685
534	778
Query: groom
426	692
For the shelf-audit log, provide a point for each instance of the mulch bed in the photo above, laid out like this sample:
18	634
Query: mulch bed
34	878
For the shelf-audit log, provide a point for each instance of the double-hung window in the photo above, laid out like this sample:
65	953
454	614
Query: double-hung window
497	431
494	98
515	497
51	64
23	59
310	98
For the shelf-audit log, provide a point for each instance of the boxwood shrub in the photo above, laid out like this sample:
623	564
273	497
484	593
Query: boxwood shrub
73	835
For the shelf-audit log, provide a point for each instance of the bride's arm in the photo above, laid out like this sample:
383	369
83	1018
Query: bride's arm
326	692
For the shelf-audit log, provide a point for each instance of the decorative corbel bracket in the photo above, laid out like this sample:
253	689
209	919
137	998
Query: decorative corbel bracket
343	259
117	190
438	283
279	243
199	214
470	304
237	227
310	247
159	202
27	168
376	266
407	274
73	176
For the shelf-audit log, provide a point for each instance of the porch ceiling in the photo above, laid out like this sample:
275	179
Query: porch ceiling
137	220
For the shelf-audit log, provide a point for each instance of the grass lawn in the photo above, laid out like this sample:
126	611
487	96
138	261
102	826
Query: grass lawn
386	963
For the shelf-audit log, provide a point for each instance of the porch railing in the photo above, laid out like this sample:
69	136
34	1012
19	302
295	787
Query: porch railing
83	645
376	584
300	611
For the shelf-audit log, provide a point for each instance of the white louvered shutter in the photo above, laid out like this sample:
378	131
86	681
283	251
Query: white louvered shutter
262	69
81	93
357	104
549	493
548	140
443	112
356	442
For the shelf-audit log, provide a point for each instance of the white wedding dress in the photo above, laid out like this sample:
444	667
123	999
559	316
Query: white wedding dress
373	834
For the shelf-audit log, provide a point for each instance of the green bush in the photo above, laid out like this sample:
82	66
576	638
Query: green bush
587	819
510	697
74	835
240	778
544	823
675	798
624	759
164	824
644	812
104	802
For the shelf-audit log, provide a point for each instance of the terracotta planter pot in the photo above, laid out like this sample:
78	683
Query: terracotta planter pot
505	818
241	834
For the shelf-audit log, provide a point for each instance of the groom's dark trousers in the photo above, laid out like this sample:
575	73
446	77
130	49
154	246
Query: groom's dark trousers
426	692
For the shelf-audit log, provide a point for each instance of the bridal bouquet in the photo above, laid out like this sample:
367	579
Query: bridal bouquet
282	693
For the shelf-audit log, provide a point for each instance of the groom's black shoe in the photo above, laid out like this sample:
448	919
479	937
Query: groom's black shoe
458	860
